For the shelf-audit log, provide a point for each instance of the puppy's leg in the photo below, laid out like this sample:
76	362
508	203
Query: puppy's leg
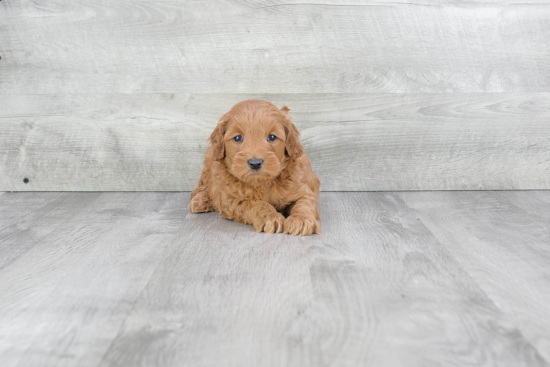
260	214
200	200
303	217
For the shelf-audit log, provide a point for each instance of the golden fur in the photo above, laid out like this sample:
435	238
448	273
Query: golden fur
285	186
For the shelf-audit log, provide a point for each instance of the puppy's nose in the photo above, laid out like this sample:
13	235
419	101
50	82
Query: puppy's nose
255	163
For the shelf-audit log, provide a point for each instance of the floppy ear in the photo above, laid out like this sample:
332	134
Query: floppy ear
216	139
292	145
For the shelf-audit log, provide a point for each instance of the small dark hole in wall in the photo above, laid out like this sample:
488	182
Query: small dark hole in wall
26	180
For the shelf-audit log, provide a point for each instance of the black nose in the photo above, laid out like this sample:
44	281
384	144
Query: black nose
255	163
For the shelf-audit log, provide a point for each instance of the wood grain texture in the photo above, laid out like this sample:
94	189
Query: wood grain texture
25	223
356	142
65	298
496	237
134	279
273	46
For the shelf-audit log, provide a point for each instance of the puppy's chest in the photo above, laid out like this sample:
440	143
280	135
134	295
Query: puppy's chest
279	197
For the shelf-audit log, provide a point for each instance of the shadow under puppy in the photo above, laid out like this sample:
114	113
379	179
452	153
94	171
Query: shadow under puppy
256	172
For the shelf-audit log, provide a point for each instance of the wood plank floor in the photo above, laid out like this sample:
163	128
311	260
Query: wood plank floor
395	279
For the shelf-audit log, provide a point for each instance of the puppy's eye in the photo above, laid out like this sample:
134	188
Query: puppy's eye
238	138
271	137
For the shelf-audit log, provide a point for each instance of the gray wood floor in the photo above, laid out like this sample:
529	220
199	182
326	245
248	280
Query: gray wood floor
395	279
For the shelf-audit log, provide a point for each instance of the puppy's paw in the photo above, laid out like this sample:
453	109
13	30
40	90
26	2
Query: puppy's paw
301	225
201	203
272	223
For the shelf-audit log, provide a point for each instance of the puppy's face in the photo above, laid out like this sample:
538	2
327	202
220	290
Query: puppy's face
257	139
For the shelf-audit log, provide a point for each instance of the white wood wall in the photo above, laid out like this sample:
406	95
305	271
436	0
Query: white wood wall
388	95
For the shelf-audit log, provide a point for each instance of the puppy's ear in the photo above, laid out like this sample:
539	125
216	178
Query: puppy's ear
292	145
216	139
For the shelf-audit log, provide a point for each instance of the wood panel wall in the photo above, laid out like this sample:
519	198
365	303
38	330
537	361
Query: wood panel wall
422	95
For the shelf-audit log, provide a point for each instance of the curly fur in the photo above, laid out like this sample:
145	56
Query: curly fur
282	195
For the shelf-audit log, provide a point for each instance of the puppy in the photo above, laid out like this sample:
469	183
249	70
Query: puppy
256	172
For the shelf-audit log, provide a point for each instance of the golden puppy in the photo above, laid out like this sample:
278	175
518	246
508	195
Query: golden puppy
255	170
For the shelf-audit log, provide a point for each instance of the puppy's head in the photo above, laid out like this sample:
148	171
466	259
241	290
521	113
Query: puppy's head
256	141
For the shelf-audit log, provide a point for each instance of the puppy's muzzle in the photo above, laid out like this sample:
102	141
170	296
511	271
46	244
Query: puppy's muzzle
255	163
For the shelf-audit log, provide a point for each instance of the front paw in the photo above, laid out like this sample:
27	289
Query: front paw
301	225
201	203
272	223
